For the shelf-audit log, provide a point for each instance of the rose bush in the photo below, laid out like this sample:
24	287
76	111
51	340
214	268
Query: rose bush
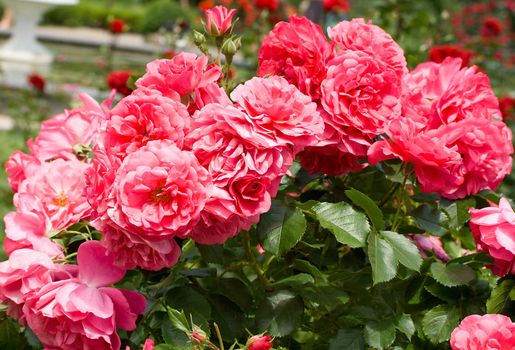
336	201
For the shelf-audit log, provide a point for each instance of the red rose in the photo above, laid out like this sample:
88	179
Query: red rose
260	342
440	52
271	5
118	80
117	26
506	105
37	82
490	28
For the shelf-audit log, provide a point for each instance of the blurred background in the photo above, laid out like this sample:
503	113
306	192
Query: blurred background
52	50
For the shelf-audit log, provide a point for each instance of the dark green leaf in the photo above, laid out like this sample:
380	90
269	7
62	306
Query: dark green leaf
380	335
405	324
327	296
368	205
191	302
348	339
280	313
458	211
10	336
228	316
294	281
382	258
429	219
282	228
405	251
306	266
452	275
439	322
442	292
500	296
235	290
348	225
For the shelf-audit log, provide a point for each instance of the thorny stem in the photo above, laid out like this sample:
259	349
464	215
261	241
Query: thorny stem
245	239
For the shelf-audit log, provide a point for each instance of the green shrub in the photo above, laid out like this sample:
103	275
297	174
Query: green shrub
164	13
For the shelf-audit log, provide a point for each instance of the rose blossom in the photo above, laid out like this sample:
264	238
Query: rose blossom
493	229
82	312
138	119
298	51
336	5
278	112
219	20
26	271
428	243
131	250
19	166
182	74
157	191
214	229
59	187
62	134
260	342
439	53
271	5
118	80
487	332
37	81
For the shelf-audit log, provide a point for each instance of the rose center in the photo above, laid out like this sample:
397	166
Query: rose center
160	195
61	200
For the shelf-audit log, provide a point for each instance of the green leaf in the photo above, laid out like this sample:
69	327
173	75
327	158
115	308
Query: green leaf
348	339
306	266
228	316
380	335
179	320
405	251
283	228
452	275
32	340
382	258
235	290
328	297
368	205
500	297
280	313
405	324
348	225
439	322
458	211
429	219
191	302
294	281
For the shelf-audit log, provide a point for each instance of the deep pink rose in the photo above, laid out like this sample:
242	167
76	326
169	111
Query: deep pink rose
361	91
59	187
213	229
211	93
487	332
131	250
278	112
219	20
181	75
432	244
260	342
297	50
156	191
494	231
442	93
138	119
62	135
357	35
83	312
329	160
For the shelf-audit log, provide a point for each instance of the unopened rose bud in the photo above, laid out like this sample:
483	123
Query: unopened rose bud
259	342
231	46
219	21
197	336
199	38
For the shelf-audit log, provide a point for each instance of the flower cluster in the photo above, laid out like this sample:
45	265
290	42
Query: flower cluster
489	331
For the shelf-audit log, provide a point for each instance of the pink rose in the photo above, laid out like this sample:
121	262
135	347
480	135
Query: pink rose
432	244
157	191
487	332
181	75
493	229
64	134
131	250
19	166
361	91
219	20
82	312
260	342
278	112
298	51
138	119
59	187
211	93
214	229
357	35
442	93
26	271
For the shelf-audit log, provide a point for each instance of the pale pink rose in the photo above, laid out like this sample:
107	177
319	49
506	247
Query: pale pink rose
63	135
138	119
19	166
432	244
357	35
59	187
26	271
131	250
278	112
82	312
219	20
298	51
361	91
30	227
181	75
442	93
487	332
157	191
493	229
